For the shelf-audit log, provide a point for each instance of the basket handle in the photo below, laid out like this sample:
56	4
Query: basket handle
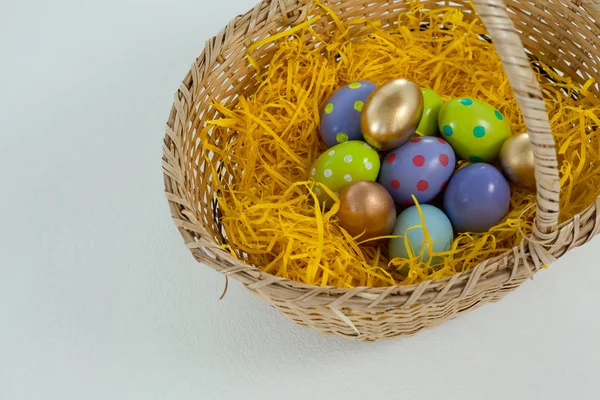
528	93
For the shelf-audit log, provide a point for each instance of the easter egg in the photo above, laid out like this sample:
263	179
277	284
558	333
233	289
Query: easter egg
517	160
475	129
341	115
366	209
477	198
392	114
422	167
343	164
432	104
411	241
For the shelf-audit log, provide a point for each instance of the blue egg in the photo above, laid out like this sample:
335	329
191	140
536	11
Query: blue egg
340	118
477	198
409	227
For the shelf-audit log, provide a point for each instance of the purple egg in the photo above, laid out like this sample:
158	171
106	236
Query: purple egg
477	198
420	167
340	118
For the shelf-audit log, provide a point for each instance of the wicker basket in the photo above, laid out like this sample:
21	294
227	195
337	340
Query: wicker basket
563	34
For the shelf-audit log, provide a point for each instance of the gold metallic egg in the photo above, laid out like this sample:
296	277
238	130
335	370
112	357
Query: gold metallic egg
392	114
367	208
516	158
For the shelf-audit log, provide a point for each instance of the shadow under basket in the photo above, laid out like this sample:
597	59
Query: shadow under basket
563	35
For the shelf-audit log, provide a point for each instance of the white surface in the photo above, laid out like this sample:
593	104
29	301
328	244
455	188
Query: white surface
99	299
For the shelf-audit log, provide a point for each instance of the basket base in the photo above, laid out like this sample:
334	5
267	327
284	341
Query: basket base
371	326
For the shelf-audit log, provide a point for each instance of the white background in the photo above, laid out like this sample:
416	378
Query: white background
99	298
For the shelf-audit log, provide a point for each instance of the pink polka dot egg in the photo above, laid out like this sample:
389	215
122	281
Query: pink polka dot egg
421	167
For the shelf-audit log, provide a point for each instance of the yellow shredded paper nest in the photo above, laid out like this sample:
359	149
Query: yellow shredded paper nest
268	142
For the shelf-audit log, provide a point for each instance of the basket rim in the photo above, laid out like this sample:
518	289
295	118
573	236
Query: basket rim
517	264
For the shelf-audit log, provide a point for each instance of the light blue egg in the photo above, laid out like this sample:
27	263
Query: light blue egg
439	228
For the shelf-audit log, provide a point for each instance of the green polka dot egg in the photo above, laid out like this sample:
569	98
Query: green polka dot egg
343	164
475	129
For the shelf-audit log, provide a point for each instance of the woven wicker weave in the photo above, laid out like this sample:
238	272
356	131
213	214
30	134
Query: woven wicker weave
563	34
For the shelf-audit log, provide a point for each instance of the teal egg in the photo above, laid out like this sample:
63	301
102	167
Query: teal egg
409	227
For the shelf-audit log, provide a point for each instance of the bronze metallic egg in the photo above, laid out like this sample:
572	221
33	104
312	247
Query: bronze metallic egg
367	208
